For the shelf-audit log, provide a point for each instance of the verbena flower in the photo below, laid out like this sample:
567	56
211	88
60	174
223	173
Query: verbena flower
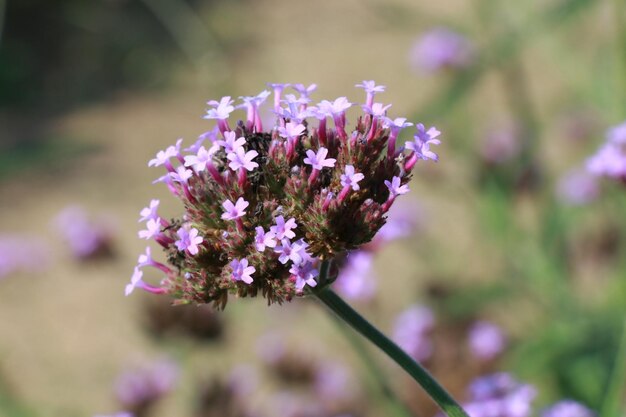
307	188
440	49
610	160
412	331
138	389
86	237
577	188
500	395
486	340
567	408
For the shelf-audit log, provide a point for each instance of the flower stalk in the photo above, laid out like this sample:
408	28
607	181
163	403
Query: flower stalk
338	306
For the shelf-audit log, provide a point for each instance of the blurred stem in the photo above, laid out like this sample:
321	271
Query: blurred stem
500	52
336	304
613	400
395	404
620	28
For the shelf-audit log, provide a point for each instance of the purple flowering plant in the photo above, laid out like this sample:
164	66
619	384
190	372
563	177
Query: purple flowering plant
266	211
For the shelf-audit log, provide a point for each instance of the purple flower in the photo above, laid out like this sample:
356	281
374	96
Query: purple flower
221	109
356	280
609	161
411	331
284	229
501	145
140	387
397	124
18	251
617	134
153	229
486	340
181	175
234	211
567	408
319	161
305	274
500	395
304	91
350	178
163	157
145	259
241	271
232	143
262	239
291	251
200	160
422	141
150	212
120	414
371	87
395	189
441	48
291	130
85	237
376	109
336	107
189	240
334	382
242	159
135	281
577	188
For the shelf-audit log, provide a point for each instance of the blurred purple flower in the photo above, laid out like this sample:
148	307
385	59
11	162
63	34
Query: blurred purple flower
333	382
441	48
567	408
486	340
500	145
617	134
411	331
577	187
18	251
500	395
610	159
120	414
356	280
86	238
139	388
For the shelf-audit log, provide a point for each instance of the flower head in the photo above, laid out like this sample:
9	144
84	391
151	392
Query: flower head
301	185
567	408
486	340
442	48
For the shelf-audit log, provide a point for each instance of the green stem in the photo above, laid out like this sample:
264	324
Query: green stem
361	325
620	27
395	404
614	400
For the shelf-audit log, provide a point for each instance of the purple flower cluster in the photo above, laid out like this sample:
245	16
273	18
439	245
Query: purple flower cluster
577	187
567	408
610	159
356	280
441	48
486	340
412	331
499	395
87	238
17	253
263	207
138	389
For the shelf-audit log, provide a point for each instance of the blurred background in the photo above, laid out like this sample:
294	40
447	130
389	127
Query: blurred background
506	261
